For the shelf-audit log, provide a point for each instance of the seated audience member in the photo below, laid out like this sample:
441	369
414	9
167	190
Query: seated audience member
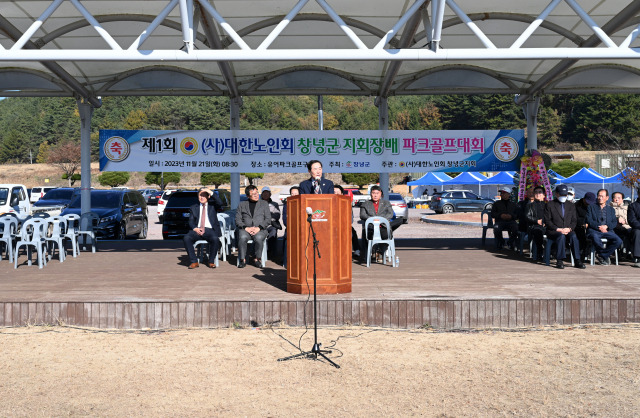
601	220
275	225
560	222
375	207
316	184
622	228
203	225
523	223
633	216
252	219
505	212
581	214
535	218
571	195
294	191
355	245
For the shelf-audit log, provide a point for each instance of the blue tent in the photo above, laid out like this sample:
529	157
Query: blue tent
432	178
503	177
467	178
585	176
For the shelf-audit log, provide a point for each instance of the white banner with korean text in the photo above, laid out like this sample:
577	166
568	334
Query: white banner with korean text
289	151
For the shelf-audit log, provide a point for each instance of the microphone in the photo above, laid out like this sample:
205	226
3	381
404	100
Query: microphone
309	212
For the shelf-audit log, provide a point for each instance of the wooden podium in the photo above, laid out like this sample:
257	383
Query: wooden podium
331	218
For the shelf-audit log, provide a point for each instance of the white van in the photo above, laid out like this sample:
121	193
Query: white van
38	192
14	199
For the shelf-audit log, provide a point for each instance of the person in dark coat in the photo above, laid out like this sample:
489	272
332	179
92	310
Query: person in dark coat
601	221
633	217
560	222
535	219
581	213
204	227
505	212
317	184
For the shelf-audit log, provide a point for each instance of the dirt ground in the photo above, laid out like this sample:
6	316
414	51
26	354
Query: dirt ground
61	371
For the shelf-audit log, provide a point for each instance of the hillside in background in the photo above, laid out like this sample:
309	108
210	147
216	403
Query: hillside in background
566	123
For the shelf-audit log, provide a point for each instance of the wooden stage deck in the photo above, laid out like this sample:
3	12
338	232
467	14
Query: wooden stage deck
443	283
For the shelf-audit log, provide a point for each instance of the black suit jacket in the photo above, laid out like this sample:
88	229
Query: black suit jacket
553	218
213	207
306	187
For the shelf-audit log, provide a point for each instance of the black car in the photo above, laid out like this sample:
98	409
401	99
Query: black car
60	197
122	213
175	221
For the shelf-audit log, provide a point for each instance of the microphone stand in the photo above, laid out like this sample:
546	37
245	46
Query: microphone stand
315	350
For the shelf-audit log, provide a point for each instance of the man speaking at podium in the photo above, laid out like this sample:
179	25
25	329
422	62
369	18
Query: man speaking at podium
316	184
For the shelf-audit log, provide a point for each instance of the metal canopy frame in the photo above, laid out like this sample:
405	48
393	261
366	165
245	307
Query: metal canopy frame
87	47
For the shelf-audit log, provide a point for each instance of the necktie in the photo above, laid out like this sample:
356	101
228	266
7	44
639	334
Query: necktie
316	187
203	216
562	206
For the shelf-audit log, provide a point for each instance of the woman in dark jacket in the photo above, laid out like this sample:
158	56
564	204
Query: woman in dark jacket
535	219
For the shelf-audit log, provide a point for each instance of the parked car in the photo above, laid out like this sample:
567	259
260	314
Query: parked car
162	202
122	213
147	194
175	223
14	199
399	206
38	192
450	201
356	196
154	198
60	196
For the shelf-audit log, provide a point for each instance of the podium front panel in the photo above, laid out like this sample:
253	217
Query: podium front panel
331	219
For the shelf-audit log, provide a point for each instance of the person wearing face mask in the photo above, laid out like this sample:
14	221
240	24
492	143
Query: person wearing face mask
571	195
560	222
601	219
316	184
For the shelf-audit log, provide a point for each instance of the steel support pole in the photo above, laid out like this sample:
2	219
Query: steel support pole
234	105
530	108
85	110
383	125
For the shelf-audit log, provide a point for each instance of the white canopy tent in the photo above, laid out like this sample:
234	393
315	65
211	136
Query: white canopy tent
92	48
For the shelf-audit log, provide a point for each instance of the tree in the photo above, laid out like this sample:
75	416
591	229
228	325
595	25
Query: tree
162	180
73	179
66	156
215	178
12	148
360	179
43	152
113	178
252	176
568	168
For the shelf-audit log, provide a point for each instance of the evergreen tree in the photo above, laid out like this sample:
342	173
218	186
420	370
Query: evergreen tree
215	178
113	178
12	147
360	179
162	179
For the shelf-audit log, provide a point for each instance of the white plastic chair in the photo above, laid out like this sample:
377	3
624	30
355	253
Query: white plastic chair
88	221
32	234
9	229
201	246
225	239
263	258
58	226
71	231
376	221
593	251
